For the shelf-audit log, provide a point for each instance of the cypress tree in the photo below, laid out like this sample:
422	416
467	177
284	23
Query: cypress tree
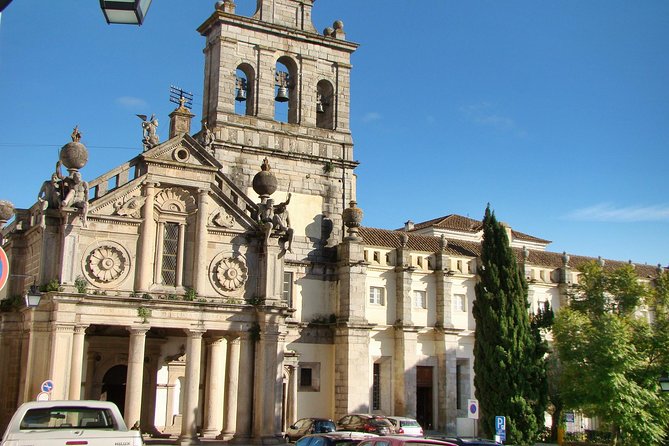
510	372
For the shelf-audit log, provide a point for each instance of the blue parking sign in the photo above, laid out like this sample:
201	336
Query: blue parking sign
500	427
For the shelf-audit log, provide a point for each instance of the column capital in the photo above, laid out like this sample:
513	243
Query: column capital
195	332
138	330
80	328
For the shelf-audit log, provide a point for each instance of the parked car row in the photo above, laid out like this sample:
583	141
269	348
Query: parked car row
356	428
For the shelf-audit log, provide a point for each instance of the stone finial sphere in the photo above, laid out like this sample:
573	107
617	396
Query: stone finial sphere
6	210
338	24
264	182
74	155
328	32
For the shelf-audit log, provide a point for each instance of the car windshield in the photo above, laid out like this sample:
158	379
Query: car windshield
67	418
409	423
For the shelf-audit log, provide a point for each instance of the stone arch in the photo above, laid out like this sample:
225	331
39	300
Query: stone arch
326	103
286	64
245	79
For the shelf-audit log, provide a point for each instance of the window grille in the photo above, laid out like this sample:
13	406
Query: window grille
170	251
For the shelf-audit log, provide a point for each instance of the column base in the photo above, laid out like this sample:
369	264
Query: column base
187	441
225	436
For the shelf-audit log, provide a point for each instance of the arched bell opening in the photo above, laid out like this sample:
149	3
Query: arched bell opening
325	105
244	90
285	90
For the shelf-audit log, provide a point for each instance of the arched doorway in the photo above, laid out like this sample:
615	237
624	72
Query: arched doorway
113	386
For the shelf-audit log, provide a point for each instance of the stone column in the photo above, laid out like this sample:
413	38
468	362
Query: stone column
147	242
213	406
292	395
245	389
446	350
231	389
404	371
192	382
91	360
271	273
76	367
352	370
201	239
265	82
135	378
61	347
267	387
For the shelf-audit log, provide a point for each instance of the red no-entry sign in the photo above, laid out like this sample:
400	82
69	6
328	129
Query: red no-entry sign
4	268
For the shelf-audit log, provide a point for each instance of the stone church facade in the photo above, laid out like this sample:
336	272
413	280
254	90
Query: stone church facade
220	283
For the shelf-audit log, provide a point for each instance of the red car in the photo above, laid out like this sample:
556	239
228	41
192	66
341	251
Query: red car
361	422
403	441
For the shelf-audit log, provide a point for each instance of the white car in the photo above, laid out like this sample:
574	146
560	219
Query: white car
406	426
48	423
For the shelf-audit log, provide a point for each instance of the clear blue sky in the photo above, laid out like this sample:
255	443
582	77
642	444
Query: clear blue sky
555	112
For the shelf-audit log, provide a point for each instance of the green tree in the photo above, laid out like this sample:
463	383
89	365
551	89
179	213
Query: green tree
509	364
612	354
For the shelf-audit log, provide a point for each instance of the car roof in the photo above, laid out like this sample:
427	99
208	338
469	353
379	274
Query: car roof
400	418
344	434
465	440
405	439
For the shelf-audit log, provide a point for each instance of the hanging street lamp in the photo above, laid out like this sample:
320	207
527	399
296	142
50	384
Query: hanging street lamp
130	12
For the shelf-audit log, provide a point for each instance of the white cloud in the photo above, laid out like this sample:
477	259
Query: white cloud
485	114
371	116
609	212
131	102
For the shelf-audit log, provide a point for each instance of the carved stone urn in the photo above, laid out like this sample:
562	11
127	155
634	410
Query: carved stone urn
74	155
352	217
264	182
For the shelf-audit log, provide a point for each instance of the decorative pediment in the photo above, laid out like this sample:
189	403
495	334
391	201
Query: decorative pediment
184	151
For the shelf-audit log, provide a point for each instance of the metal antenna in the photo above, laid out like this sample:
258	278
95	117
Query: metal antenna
181	97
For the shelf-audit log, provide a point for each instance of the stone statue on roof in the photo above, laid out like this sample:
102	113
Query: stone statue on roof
150	128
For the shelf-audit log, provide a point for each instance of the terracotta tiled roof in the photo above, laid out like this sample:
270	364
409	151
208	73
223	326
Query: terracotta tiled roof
391	239
459	223
452	222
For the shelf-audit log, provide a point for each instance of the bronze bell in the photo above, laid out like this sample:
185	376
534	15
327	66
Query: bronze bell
241	95
319	107
282	95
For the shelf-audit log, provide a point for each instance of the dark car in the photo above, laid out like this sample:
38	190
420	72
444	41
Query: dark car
373	424
306	426
338	438
465	441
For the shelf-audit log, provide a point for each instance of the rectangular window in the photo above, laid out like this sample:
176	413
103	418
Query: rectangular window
462	385
376	295
309	377
287	293
376	387
460	302
305	377
420	299
170	251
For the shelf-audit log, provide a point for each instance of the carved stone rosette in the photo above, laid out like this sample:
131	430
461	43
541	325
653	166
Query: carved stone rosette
107	264
229	275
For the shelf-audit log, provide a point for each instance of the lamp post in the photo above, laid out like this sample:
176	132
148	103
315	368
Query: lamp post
33	297
129	12
664	383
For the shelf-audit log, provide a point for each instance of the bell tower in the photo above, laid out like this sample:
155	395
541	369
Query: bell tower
273	61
